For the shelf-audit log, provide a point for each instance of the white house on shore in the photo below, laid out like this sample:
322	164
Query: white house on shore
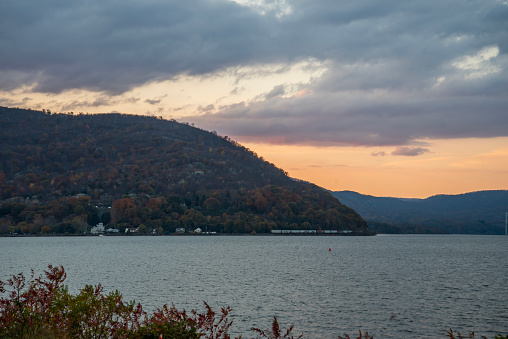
98	229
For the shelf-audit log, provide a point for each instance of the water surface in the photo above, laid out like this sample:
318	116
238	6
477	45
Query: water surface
392	286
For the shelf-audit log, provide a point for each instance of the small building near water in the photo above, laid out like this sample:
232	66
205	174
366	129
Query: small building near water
98	229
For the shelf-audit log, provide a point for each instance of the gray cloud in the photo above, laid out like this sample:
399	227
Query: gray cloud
14	103
276	91
409	151
362	119
153	101
98	101
206	108
394	71
113	45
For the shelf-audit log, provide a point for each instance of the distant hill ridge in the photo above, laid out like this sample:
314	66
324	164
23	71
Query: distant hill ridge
481	212
63	173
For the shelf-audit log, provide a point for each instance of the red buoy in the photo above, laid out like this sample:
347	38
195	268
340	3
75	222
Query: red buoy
329	249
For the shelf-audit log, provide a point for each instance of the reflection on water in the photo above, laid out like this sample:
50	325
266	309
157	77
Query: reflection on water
391	286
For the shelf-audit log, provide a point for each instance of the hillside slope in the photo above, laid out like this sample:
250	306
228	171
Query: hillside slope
480	212
61	173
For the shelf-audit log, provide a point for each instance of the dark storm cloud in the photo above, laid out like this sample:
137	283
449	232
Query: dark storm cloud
397	70
114	45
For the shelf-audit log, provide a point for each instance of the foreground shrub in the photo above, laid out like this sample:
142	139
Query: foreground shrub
276	332
42	307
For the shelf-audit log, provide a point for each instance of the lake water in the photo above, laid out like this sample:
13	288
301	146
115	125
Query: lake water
394	286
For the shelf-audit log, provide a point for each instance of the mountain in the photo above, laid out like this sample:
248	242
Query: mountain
480	212
62	173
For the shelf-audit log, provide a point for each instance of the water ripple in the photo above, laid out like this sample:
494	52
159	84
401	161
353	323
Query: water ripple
391	286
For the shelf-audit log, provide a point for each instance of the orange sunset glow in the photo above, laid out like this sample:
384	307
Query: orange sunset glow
452	168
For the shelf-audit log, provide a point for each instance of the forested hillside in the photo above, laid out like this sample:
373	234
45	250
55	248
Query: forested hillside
62	173
480	212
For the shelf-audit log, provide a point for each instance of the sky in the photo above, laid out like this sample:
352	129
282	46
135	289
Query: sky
386	98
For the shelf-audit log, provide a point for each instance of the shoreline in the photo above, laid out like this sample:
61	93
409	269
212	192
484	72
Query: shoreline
189	235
